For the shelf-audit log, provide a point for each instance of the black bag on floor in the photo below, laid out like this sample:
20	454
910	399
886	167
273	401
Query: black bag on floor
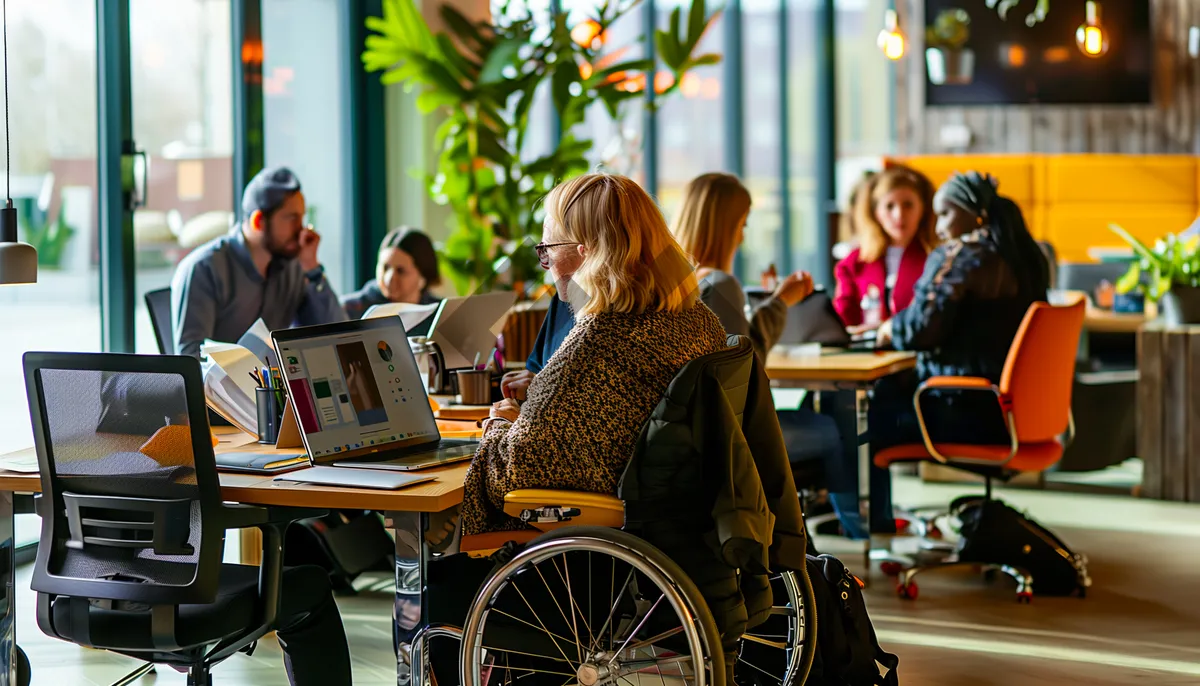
994	533
345	543
848	653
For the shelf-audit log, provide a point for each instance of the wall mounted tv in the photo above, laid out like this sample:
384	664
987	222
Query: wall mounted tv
1015	64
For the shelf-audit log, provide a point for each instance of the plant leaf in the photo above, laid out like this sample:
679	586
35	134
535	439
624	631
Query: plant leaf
503	55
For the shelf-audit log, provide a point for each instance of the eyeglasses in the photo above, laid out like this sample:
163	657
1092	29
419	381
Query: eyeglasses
543	252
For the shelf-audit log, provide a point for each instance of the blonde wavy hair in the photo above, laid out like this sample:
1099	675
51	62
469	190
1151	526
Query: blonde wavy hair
631	263
707	224
872	239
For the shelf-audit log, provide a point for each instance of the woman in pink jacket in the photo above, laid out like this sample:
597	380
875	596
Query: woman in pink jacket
894	223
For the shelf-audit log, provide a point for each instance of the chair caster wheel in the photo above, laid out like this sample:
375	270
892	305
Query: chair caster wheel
907	591
891	568
1024	597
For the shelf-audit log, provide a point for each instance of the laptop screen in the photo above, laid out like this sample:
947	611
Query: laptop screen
355	387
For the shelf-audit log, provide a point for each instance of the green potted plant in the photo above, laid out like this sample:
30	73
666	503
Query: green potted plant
1168	273
947	59
1040	9
482	77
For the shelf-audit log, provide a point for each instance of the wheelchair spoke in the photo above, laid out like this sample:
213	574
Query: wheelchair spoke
510	651
655	639
574	605
608	622
760	669
534	626
554	597
539	620
637	628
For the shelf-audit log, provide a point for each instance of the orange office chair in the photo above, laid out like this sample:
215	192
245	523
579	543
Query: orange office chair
1035	396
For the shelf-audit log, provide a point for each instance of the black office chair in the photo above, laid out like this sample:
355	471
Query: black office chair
158	304
133	525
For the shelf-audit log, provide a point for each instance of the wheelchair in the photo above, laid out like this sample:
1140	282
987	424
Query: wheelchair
584	602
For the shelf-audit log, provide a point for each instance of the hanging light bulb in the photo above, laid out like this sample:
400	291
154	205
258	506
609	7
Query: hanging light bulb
1090	36
18	261
890	40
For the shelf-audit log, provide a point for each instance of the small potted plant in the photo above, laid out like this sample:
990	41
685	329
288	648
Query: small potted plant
1168	273
947	59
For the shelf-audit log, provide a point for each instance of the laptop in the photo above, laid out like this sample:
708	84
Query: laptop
812	320
359	398
464	327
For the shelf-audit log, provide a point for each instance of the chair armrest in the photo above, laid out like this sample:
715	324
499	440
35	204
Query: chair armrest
966	383
239	516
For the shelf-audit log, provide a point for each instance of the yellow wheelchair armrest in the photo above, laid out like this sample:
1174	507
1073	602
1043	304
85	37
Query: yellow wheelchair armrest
595	509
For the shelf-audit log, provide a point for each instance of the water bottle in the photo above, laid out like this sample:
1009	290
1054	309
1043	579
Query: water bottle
871	305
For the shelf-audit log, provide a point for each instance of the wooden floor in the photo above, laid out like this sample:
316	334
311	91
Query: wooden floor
1140	624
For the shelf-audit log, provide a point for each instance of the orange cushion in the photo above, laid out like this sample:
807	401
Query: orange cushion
495	539
1030	457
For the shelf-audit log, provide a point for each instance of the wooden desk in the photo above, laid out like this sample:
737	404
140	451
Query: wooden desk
836	367
407	512
1097	320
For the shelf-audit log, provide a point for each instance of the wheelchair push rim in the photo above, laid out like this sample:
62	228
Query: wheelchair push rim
615	643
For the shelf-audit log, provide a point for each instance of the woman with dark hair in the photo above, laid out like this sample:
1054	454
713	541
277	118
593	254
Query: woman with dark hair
407	269
965	312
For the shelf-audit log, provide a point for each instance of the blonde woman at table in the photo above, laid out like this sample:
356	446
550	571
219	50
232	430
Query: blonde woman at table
894	226
710	228
638	321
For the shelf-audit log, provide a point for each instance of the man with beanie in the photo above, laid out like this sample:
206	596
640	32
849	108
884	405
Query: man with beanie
265	267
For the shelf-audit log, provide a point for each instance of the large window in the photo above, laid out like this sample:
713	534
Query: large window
305	57
691	124
183	120
807	222
762	138
865	92
52	77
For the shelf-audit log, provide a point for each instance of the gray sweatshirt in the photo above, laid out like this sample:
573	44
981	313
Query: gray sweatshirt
725	297
217	293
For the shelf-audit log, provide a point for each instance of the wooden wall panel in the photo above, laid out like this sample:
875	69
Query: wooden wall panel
1170	126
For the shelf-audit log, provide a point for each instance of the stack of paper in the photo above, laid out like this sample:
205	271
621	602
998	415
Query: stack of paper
410	314
228	383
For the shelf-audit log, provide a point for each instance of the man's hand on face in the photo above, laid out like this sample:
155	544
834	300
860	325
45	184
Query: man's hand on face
309	240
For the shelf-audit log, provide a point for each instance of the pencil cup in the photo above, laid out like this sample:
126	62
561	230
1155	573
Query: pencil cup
269	415
475	386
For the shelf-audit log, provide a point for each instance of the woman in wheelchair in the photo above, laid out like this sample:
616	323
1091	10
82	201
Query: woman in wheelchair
638	320
965	312
590	604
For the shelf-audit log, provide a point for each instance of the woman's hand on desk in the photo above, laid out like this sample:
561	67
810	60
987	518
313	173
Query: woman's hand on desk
514	384
883	337
505	409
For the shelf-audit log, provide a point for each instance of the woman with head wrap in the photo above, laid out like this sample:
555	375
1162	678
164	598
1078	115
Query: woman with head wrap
965	312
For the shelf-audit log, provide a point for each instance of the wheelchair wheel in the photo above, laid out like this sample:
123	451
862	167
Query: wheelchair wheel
592	606
780	651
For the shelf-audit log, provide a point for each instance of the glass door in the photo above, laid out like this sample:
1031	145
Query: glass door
183	124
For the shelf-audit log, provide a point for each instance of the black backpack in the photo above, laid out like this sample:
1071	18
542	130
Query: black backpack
848	653
345	543
994	533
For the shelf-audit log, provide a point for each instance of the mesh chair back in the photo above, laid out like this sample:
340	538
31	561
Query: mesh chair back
158	304
130	497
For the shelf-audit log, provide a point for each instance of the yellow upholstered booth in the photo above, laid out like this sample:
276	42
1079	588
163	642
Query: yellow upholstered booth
1069	200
